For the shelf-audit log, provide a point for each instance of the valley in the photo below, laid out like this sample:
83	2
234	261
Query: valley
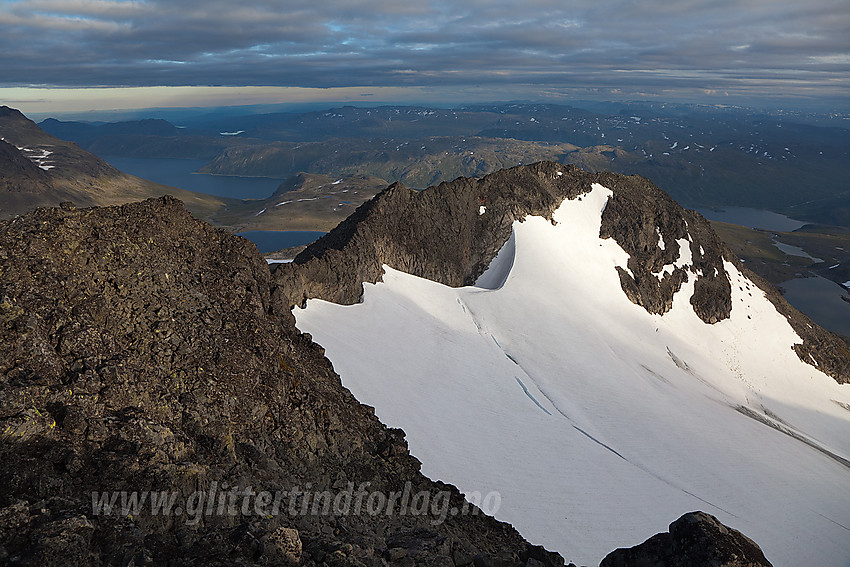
38	169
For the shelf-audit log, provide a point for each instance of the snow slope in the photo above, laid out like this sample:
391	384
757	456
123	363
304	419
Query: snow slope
597	422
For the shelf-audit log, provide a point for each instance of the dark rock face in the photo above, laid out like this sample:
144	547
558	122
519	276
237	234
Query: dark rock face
140	350
438	234
696	539
637	215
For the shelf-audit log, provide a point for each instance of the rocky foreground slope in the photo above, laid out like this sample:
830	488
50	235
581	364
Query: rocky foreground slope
140	349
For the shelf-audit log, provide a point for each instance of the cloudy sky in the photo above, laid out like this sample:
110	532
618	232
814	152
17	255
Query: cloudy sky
712	51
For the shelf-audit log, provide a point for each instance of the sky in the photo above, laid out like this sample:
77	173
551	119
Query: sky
73	55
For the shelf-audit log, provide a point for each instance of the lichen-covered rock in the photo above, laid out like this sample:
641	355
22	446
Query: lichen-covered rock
287	543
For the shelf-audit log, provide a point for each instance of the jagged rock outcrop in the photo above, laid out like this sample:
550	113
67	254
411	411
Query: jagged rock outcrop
437	233
440	234
642	218
140	350
451	232
696	539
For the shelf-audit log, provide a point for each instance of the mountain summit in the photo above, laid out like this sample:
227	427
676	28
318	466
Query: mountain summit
452	232
590	349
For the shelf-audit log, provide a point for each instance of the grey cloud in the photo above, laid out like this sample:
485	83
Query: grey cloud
545	44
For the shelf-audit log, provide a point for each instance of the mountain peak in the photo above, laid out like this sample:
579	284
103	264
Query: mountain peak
614	360
451	232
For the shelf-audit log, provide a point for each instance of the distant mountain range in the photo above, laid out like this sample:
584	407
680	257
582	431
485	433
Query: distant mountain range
40	169
703	156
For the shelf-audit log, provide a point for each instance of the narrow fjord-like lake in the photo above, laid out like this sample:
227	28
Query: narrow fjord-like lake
181	173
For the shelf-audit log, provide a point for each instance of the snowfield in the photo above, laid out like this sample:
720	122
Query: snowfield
597	422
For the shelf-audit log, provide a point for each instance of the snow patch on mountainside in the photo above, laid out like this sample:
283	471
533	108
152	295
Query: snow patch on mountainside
36	155
598	422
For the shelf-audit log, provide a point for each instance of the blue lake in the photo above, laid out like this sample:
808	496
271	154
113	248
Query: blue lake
273	240
820	299
752	218
180	173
